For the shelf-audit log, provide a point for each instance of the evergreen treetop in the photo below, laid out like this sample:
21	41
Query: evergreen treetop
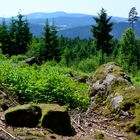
101	33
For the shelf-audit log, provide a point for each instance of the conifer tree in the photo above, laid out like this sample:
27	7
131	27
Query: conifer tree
20	35
52	50
4	38
101	33
133	16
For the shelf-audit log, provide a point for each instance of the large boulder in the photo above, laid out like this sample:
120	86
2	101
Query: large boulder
57	119
51	116
108	85
111	89
23	116
31	61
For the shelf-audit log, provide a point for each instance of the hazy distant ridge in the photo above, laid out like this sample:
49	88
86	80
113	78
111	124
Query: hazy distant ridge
73	24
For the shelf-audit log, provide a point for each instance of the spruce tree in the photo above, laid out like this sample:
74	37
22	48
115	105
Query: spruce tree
4	38
101	33
20	35
52	50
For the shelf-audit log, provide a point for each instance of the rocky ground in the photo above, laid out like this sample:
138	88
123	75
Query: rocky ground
88	125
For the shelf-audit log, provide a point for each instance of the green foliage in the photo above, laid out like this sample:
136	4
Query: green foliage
17	58
101	33
52	50
76	50
4	38
129	51
15	39
136	77
43	84
37	49
88	65
2	57
20	35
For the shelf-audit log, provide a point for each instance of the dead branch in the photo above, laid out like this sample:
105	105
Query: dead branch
6	135
80	127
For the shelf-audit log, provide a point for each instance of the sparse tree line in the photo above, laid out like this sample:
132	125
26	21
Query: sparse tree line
17	39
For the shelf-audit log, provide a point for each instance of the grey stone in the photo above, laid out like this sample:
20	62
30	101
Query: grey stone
116	101
110	67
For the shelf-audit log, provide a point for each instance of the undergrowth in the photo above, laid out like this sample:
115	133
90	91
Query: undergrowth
48	83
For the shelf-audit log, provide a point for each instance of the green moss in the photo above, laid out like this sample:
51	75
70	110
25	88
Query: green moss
100	98
23	116
4	101
119	86
50	107
100	72
50	116
131	104
34	138
56	118
98	135
134	125
131	100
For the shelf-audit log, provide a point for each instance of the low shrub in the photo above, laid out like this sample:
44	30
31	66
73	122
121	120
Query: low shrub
43	84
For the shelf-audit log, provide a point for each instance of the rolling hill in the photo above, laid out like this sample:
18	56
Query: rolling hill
73	24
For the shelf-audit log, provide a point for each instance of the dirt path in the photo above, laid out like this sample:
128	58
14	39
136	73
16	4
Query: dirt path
87	123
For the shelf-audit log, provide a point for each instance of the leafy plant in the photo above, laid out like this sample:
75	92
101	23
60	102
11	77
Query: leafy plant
43	84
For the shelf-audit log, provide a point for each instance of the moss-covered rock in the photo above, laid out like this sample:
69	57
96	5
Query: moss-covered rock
108	80
56	118
131	105
51	116
111	89
23	116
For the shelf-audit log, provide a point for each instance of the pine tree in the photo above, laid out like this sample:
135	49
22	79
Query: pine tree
133	16
20	35
4	38
52	50
101	33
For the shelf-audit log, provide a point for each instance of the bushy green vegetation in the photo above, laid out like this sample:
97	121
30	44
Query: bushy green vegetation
136	78
43	84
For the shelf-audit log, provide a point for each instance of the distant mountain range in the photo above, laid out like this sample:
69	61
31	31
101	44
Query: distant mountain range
73	24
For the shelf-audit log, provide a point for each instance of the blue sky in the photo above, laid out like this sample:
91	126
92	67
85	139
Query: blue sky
114	7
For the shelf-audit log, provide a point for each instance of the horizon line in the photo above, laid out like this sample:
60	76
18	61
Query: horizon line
36	12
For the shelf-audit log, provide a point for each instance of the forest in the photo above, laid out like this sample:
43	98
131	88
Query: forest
58	62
